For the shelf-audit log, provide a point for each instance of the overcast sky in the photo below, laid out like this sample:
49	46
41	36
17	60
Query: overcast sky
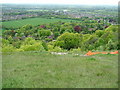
90	2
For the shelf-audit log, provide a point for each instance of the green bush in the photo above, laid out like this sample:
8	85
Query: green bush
34	47
51	48
48	39
86	37
68	40
44	33
16	44
29	41
5	42
10	39
77	50
19	50
113	28
27	27
99	33
56	34
101	48
111	45
31	44
87	41
45	45
92	39
8	48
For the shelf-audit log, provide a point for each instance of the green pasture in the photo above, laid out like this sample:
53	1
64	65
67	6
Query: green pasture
44	70
32	21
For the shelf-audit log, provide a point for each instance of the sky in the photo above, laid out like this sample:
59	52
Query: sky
86	2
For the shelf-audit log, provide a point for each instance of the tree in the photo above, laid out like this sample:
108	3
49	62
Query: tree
42	26
44	33
77	28
99	33
68	40
27	27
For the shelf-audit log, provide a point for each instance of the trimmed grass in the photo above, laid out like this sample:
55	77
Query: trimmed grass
32	21
44	70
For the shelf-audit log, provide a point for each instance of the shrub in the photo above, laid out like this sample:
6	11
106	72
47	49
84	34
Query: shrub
101	48
99	33
48	39
8	48
89	43
31	44
51	48
68	40
113	28
75	50
29	41
42	26
16	44
45	45
62	30
77	28
10	39
57	49
34	47
5	42
111	45
27	27
19	50
44	33
91	40
56	34
86	37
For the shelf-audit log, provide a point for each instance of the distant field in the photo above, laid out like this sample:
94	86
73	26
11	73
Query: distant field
32	21
43	70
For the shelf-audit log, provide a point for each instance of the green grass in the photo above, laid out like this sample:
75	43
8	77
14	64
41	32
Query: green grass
0	32
32	21
43	70
0	71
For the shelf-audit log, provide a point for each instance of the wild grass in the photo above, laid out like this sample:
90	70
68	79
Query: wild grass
44	70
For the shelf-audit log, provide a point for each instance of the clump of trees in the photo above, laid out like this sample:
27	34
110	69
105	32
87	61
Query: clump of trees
60	37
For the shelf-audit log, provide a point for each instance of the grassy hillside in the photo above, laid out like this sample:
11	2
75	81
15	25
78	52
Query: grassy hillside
43	70
0	32
32	21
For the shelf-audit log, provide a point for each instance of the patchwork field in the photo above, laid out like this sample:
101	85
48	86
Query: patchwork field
44	70
32	21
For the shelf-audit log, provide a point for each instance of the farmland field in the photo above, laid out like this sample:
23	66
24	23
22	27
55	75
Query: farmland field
43	70
32	21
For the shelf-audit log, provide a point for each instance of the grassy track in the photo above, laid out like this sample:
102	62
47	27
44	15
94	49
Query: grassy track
32	21
43	70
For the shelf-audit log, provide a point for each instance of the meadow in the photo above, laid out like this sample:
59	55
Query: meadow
45	70
32	21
